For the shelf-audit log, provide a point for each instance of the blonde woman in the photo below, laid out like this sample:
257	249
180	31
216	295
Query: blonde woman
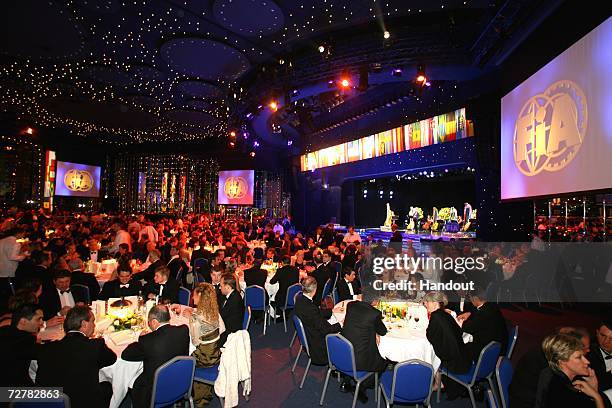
205	326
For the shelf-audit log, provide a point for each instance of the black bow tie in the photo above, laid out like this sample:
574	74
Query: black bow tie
127	285
607	356
64	291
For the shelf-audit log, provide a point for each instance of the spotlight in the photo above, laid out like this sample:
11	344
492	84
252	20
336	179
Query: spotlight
421	78
274	106
233	133
289	142
396	72
232	144
386	35
321	48
345	83
28	131
252	154
256	144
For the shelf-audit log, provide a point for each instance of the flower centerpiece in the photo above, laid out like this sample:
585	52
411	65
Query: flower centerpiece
123	316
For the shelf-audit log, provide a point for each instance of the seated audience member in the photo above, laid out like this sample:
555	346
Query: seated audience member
18	345
176	265
205	326
60	299
154	263
568	381
486	324
363	325
600	356
232	307
285	276
162	288
315	321
74	362
123	286
41	261
347	286
524	385
445	336
255	275
80	277
154	349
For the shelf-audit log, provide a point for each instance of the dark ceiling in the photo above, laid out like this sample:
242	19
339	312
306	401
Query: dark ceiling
164	71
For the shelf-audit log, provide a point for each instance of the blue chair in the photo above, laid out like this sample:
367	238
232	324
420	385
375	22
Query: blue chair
173	382
484	368
179	275
335	296
410	382
246	320
491	402
504	373
292	291
327	289
184	295
341	358
207	375
512	338
82	290
62	402
295	332
255	297
301	335
199	263
338	268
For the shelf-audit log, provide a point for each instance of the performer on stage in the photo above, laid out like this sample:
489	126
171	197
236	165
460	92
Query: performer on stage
389	218
467	212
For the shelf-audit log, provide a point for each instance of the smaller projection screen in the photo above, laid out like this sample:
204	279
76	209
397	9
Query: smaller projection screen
77	180
236	187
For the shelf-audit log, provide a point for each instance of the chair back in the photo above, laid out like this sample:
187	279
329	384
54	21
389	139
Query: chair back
292	291
173	381
412	381
179	275
255	297
504	373
327	289
335	296
246	320
199	263
338	267
487	360
184	296
82	290
301	333
340	354
512	338
62	402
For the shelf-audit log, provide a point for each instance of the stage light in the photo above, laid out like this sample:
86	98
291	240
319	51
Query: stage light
382	192
321	48
345	83
252	154
274	106
396	72
232	144
233	133
386	35
390	192
256	144
325	186
249	115
420	76
289	142
365	191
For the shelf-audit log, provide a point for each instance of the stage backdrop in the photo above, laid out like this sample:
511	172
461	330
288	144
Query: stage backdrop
77	180
236	187
555	130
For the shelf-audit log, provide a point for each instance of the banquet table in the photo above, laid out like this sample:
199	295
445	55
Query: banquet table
406	339
272	289
122	373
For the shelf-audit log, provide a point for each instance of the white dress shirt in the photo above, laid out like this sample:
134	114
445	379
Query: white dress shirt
66	298
608	361
9	256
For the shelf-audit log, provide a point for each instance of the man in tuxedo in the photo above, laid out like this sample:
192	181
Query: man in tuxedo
600	355
347	286
286	276
123	286
149	272
315	321
154	349
176	264
318	236
485	324
60	299
41	261
18	345
75	361
232	307
200	253
91	252
323	272
79	277
363	325
255	275
162	288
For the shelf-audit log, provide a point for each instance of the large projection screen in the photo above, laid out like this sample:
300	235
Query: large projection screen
556	127
77	180
236	187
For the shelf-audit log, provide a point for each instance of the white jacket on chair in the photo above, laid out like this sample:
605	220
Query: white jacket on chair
234	368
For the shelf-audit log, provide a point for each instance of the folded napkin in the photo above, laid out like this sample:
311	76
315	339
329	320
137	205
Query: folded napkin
103	324
123	337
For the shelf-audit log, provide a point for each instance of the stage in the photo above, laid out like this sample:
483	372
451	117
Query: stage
414	236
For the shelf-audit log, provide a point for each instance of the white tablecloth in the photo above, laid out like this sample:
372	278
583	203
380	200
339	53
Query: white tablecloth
122	373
